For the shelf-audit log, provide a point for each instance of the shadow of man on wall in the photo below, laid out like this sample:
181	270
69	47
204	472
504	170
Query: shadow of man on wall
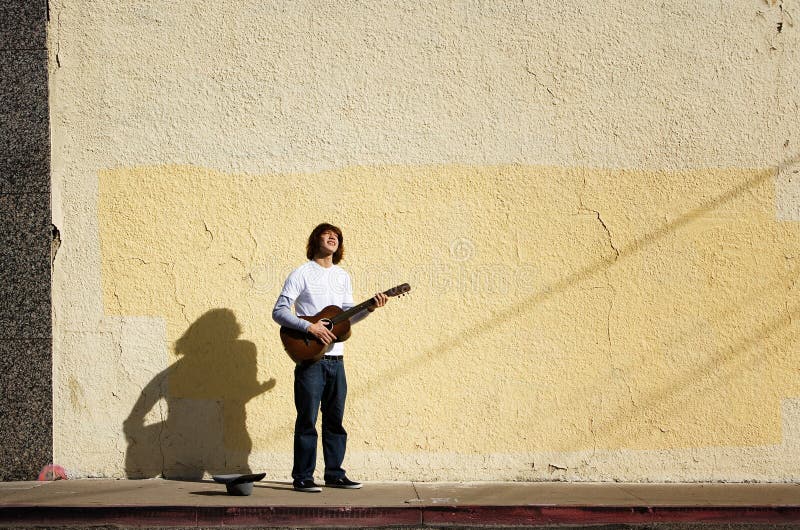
202	425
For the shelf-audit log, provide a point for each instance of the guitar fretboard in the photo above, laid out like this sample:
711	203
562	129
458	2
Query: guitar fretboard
344	315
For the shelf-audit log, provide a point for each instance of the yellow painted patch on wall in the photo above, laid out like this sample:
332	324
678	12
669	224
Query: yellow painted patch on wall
553	309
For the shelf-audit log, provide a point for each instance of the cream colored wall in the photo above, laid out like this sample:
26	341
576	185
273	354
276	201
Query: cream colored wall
595	206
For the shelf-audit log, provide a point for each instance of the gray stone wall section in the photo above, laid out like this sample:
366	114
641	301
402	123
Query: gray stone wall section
26	402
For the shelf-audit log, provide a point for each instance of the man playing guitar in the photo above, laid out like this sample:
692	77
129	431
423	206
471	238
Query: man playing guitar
321	385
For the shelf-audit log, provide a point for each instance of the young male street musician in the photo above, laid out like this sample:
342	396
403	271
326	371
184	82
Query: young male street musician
318	283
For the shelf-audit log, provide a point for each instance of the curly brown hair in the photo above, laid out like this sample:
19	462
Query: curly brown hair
312	247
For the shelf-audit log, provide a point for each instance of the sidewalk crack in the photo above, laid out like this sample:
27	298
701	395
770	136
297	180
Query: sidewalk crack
419	506
415	490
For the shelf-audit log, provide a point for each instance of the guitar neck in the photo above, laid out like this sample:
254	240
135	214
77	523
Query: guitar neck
344	315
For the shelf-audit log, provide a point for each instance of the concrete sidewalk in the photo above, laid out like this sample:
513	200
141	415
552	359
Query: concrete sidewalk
164	503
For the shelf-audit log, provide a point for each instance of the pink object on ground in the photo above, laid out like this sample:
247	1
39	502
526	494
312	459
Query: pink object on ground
52	472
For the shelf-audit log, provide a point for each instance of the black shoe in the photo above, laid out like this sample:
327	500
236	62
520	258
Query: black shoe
306	485
343	482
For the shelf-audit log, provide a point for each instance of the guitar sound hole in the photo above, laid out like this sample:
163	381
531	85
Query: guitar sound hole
327	323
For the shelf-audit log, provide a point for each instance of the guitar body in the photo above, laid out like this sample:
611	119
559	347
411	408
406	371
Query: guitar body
305	347
302	346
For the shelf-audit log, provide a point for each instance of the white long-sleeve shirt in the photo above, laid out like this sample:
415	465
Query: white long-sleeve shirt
311	288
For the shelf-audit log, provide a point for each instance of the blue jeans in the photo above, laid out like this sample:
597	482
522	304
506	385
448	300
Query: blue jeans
319	385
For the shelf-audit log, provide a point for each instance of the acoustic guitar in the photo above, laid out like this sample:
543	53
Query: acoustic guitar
302	346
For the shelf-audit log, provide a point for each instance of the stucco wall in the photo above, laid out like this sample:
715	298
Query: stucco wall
595	204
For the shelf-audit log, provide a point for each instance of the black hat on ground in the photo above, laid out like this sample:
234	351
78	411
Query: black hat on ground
239	484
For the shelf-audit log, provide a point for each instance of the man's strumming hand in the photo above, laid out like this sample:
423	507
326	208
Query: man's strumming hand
319	330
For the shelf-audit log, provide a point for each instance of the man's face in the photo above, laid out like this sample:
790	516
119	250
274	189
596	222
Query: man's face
329	241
